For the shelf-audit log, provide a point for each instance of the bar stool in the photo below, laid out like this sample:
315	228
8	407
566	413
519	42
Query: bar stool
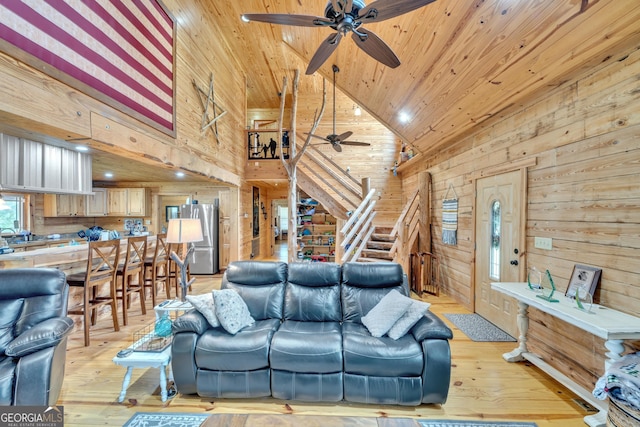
102	264
156	268
133	267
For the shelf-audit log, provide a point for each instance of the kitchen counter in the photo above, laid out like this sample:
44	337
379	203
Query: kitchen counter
67	258
37	244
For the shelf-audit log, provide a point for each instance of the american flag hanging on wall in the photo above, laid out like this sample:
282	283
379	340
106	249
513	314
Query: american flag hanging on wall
118	51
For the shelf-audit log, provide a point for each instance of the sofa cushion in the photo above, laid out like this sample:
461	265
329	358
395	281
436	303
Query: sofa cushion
386	313
368	355
204	304
416	310
364	285
245	351
231	310
260	284
313	292
312	347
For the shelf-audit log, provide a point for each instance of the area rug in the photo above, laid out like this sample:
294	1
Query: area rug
456	423
478	328
165	419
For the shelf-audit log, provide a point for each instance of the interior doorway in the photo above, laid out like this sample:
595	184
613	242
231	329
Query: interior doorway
280	226
499	247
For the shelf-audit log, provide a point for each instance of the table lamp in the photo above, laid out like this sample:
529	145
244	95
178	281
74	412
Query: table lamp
184	231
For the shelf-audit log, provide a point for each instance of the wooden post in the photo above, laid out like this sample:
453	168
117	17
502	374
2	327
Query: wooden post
366	186
424	192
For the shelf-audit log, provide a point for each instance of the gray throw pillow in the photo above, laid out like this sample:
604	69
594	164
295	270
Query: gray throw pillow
416	311
204	304
386	313
231	310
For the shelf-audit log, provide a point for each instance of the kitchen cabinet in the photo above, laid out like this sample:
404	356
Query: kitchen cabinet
127	202
61	205
96	204
137	202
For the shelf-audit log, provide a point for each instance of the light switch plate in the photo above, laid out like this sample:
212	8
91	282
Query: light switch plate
543	243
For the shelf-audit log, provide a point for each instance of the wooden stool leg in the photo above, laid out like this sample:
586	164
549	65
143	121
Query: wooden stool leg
114	305
85	313
141	291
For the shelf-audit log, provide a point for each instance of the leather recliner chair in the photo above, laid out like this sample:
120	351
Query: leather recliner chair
33	335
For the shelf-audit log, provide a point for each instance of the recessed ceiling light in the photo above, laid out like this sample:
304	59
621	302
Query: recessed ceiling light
108	175
180	174
404	117
82	148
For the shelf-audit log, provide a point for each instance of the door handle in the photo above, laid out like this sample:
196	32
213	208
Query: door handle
514	262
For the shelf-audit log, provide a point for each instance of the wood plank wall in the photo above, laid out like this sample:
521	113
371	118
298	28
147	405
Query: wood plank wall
583	192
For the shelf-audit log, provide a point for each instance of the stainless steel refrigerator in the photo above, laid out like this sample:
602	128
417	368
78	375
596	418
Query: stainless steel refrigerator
205	258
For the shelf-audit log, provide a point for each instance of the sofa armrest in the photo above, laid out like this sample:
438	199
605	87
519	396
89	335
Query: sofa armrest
45	334
191	321
431	327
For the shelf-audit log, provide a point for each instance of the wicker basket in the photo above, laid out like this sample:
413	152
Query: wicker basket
621	415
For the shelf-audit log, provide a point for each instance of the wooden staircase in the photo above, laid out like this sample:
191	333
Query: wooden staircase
379	246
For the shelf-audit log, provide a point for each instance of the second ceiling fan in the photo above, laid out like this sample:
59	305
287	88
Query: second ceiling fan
337	140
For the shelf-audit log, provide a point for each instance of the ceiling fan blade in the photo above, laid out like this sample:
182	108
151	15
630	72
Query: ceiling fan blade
344	136
380	10
288	19
324	52
362	144
375	48
319	137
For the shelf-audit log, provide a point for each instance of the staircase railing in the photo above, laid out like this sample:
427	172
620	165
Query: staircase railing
405	231
358	229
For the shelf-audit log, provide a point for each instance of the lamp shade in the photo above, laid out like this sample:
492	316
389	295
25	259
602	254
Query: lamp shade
184	230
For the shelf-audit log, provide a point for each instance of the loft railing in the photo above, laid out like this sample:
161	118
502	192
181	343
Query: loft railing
358	229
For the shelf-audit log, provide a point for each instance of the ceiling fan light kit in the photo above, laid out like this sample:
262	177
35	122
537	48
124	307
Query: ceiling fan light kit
347	16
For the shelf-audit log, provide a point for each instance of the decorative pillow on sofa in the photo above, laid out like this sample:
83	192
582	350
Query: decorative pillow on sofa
416	310
231	310
204	304
386	313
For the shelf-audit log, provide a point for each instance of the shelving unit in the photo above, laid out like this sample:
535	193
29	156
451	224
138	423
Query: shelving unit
316	232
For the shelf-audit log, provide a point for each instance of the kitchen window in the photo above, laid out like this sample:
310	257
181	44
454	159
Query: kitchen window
12	213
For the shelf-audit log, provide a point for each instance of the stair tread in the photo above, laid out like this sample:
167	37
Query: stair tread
382	237
385	246
366	259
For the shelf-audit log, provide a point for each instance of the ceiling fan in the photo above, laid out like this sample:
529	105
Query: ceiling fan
337	141
346	16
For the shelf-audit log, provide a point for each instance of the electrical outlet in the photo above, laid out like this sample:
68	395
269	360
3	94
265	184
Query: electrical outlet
543	243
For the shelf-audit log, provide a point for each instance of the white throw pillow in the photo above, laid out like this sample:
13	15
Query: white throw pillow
231	310
386	313
204	304
415	312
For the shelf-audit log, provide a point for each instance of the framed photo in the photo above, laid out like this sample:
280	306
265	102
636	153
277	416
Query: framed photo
171	212
585	277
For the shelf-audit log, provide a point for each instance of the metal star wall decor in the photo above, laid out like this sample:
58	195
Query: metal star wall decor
207	98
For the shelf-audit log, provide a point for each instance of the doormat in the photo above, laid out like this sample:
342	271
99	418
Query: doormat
457	423
478	328
165	419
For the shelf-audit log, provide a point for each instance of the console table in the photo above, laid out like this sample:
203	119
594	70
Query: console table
611	325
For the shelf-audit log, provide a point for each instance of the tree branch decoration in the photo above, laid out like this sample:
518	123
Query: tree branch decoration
290	163
207	98
184	283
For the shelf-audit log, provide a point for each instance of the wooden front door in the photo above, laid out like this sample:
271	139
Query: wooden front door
498	254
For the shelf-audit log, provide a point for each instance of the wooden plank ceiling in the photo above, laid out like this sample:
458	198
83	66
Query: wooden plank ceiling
463	61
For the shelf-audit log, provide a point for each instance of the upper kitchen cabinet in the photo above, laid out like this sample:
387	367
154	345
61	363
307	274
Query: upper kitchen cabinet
127	201
30	166
96	203
64	205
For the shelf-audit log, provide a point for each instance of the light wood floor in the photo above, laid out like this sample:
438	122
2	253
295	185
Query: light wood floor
483	385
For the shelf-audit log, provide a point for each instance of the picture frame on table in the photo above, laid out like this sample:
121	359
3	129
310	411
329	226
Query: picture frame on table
585	277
